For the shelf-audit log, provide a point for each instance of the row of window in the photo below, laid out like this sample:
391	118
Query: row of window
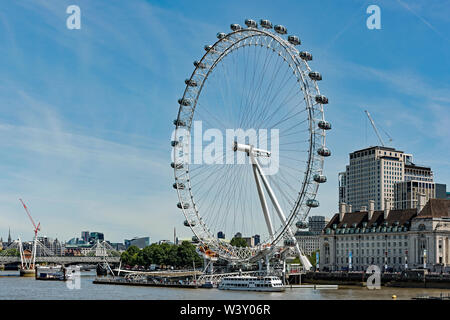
368	244
351	238
371	260
367	252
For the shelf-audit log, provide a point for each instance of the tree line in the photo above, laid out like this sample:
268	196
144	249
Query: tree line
178	256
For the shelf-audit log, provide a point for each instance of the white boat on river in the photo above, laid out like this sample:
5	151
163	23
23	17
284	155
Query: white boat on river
249	283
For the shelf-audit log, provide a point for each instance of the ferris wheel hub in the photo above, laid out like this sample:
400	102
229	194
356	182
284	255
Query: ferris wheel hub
249	148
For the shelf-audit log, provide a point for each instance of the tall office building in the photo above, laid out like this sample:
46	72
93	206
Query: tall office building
418	181
382	173
371	175
85	236
317	223
141	242
95	237
441	191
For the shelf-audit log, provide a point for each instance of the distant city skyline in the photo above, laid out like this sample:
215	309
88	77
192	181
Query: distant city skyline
86	115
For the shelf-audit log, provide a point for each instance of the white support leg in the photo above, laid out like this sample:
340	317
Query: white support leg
33	263
22	259
303	259
262	198
253	153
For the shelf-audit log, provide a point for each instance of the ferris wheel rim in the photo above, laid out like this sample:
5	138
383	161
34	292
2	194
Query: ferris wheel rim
312	158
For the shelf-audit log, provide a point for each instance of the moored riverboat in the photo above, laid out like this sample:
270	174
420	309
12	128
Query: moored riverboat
251	283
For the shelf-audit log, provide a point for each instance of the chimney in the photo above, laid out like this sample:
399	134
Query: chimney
349	208
371	209
341	211
363	209
387	208
421	202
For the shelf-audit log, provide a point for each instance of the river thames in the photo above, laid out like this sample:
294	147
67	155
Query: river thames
14	287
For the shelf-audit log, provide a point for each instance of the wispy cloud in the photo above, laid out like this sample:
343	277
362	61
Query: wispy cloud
425	21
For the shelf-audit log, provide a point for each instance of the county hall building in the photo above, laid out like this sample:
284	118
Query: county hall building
392	239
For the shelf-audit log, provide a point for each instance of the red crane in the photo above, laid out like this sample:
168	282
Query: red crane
36	228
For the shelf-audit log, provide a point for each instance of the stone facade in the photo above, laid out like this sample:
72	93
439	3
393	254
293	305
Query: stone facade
391	239
308	241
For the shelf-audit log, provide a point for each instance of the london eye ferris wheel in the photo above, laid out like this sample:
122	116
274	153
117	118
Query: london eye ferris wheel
255	79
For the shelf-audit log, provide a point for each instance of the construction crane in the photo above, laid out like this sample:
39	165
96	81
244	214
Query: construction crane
36	228
28	263
376	130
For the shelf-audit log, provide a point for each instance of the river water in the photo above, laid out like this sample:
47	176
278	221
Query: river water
15	287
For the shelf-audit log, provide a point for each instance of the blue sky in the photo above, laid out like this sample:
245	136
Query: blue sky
86	115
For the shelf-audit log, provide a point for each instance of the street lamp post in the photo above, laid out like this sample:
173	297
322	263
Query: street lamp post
350	261
424	258
406	260
385	261
385	253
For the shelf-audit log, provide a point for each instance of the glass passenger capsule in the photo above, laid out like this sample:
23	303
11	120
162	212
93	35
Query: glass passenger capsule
179	123
221	35
266	24
190	82
321	99
280	29
235	27
178	185
251	23
199	65
184	102
294	40
324	152
301	224
325	125
177	166
187	224
314	75
183	206
319	178
312	203
305	55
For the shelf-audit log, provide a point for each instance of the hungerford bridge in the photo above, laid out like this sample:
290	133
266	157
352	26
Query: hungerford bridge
101	252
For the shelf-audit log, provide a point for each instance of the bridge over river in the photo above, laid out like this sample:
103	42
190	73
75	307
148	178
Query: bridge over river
63	259
99	253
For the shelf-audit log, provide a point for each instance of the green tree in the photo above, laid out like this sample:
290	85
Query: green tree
238	242
125	257
172	256
187	255
164	254
139	258
147	255
157	254
132	250
165	247
130	256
